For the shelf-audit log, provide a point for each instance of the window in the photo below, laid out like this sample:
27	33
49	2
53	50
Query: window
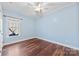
13	26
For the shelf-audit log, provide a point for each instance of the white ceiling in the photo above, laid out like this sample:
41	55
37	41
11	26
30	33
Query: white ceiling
26	9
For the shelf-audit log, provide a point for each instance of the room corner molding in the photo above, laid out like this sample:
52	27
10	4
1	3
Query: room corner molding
42	39
17	41
58	43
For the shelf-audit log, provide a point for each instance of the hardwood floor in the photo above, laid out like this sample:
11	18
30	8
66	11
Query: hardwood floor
37	47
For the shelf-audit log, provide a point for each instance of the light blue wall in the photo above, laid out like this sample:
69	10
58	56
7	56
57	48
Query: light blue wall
26	25
61	26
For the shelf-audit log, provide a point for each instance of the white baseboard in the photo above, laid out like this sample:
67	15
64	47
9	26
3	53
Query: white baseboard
17	41
58	43
43	39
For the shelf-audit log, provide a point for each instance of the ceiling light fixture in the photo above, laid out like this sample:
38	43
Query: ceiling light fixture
38	7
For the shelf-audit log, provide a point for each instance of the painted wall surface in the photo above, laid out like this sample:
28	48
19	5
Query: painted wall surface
26	27
61	26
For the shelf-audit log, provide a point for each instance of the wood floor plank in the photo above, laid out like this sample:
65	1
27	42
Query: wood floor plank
37	47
